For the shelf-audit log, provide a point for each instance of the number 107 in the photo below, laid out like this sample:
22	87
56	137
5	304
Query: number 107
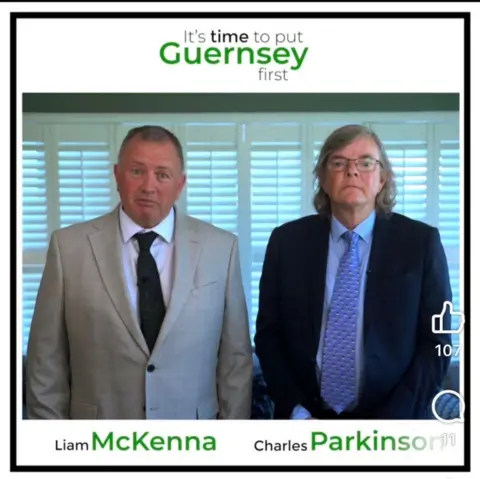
447	350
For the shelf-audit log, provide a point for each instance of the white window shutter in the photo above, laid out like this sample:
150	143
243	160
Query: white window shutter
406	146
212	173
84	171
35	234
276	188
34	187
448	173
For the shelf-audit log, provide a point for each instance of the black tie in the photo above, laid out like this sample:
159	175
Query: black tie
152	307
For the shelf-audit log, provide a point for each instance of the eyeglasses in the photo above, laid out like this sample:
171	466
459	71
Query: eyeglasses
364	164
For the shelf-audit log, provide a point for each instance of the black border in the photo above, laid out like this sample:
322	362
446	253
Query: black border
14	16
191	103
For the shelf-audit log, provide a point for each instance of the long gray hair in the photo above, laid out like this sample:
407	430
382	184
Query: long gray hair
341	137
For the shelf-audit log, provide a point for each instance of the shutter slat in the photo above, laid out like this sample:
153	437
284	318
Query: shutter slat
449	211
34	196
84	177
276	189
212	171
409	159
212	189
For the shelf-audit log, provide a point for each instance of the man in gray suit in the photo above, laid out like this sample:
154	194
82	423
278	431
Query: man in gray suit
141	313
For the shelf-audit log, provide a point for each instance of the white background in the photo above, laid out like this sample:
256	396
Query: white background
345	55
235	443
349	58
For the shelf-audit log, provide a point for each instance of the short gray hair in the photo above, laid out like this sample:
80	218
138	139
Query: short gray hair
153	133
340	138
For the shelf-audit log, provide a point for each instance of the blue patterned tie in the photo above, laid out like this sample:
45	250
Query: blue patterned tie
338	383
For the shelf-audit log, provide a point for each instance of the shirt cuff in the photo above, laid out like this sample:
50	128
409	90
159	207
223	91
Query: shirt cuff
300	413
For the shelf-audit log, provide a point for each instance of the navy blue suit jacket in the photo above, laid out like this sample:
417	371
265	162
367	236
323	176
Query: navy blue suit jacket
407	283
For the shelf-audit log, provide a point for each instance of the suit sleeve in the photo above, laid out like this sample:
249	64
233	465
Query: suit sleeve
47	368
269	342
235	367
413	396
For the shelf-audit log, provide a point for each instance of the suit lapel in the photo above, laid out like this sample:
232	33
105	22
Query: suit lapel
107	251
317	256
379	259
379	262
185	258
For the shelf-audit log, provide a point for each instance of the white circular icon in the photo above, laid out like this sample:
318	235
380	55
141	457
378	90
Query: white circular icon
461	405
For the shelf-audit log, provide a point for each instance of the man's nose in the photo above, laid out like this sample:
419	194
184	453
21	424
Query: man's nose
149	182
351	169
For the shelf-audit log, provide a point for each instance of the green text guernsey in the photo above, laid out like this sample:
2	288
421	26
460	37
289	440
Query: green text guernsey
172	54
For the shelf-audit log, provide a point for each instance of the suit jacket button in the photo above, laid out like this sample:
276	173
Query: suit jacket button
150	368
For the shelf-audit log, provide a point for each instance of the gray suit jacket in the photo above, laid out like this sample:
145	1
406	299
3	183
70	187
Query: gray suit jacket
87	358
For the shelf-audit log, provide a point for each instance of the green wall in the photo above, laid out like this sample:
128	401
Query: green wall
236	102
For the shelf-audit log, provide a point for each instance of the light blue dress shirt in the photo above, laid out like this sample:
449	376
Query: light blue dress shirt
336	249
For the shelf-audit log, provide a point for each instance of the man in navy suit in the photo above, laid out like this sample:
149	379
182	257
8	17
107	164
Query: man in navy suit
344	327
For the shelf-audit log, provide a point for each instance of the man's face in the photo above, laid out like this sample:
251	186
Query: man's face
149	179
352	188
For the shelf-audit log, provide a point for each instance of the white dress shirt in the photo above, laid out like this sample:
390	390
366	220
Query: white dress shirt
161	249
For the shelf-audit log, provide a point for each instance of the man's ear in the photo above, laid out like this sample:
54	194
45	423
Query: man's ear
322	182
115	174
181	187
383	181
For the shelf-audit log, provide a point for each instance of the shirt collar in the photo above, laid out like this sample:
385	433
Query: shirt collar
364	229
129	228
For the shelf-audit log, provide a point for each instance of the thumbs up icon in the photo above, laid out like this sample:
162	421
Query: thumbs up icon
437	320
